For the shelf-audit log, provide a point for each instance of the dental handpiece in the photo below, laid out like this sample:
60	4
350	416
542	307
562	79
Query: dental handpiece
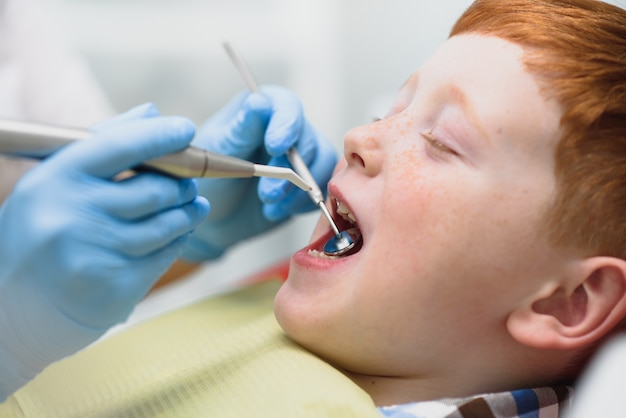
34	140
292	154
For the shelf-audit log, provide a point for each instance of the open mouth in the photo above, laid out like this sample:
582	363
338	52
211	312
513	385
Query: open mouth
346	223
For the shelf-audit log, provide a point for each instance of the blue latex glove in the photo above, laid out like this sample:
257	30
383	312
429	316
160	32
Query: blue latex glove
78	249
259	128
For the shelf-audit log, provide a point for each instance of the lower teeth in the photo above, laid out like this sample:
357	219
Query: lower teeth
320	254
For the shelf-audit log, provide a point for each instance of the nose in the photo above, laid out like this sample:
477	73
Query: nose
362	148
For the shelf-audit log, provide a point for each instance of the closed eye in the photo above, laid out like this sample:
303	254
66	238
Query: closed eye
436	144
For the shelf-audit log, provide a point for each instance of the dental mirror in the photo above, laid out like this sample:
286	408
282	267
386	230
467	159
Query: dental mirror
343	243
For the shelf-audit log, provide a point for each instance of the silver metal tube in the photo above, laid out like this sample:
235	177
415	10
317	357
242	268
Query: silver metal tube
315	193
300	167
34	140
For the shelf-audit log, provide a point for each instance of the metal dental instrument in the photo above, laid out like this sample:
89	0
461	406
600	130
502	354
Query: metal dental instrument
342	242
34	140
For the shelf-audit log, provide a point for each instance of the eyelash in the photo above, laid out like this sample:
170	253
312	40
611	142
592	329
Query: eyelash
436	144
430	138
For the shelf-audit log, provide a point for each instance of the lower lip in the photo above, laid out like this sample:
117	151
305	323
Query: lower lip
304	259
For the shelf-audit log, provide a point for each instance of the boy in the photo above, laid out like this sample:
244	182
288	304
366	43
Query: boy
489	201
492	258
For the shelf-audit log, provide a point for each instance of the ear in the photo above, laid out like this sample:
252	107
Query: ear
575	311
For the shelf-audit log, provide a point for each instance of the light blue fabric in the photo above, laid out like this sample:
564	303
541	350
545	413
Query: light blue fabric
431	409
527	403
544	402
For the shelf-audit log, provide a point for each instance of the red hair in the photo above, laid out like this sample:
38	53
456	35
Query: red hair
577	51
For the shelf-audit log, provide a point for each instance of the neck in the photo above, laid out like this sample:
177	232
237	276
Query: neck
465	377
394	390
387	391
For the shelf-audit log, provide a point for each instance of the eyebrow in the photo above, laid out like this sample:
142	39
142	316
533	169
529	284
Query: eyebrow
459	97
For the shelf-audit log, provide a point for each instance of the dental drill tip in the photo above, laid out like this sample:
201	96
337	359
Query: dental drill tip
301	168
281	173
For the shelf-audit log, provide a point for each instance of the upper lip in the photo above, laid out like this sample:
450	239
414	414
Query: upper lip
336	195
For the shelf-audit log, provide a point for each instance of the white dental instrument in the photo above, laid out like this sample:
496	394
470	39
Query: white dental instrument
342	242
34	140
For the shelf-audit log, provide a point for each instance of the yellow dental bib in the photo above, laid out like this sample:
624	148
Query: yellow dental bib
222	357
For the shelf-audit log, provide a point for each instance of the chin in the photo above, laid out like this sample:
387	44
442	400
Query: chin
309	314
315	305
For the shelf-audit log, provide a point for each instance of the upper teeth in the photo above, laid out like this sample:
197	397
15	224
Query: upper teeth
344	212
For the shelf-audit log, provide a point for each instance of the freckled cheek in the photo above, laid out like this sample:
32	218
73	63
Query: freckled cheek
410	187
407	158
417	195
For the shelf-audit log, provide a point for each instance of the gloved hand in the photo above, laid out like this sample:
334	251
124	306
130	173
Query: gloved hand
259	128
79	249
